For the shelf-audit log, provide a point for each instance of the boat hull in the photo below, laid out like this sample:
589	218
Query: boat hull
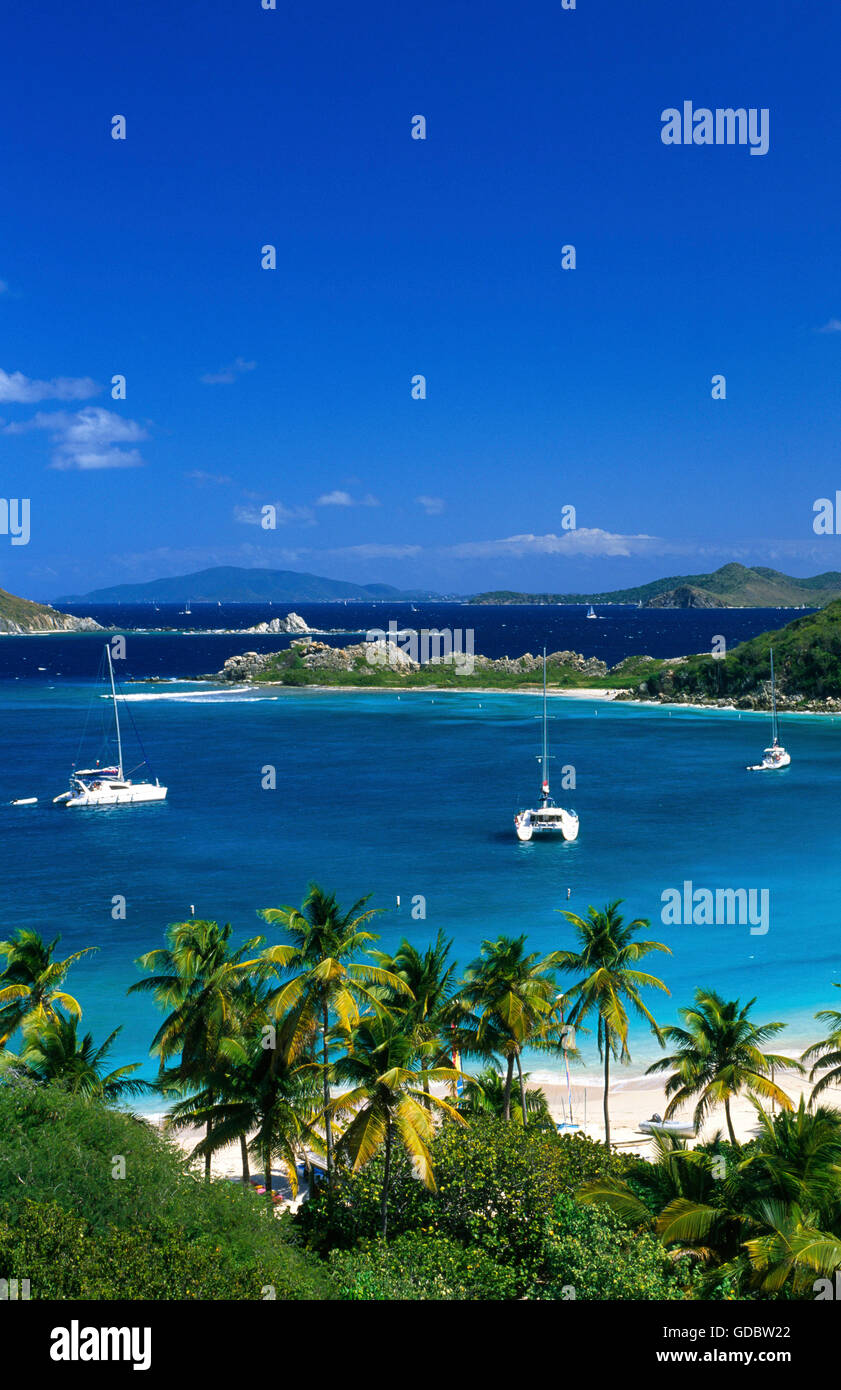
562	827
120	796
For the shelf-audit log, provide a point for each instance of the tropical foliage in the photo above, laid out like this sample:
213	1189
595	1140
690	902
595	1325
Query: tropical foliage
404	1078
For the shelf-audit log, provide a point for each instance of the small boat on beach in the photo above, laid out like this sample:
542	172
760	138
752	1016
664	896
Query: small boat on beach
547	818
109	786
776	756
681	1129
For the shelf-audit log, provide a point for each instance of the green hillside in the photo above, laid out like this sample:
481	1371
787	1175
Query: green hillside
807	663
21	615
736	586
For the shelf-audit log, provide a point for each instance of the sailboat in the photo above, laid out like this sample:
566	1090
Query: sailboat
109	786
591	612
547	818
775	756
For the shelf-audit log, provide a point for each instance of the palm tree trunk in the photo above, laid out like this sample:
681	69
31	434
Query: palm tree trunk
243	1148
522	1087
730	1129
267	1164
506	1094
606	1087
386	1174
208	1131
328	1127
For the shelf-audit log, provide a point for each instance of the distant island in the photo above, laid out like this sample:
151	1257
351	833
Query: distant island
236	584
807	660
731	586
20	617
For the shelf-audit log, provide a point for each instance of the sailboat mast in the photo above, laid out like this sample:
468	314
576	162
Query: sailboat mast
116	712
773	701
545	763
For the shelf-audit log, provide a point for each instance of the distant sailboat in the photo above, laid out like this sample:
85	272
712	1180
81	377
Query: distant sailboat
591	612
547	818
775	756
109	786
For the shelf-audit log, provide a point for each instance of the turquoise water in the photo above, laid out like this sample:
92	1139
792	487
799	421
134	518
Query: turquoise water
414	794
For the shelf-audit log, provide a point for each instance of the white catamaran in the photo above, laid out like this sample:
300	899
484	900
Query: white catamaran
775	756
109	786
547	818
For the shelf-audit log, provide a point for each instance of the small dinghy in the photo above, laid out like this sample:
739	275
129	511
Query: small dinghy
682	1129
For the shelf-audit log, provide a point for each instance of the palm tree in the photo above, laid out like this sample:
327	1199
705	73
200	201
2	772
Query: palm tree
381	1068
321	941
485	1095
264	1096
718	1055
826	1054
505	1001
428	974
30	985
767	1233
606	961
203	984
53	1052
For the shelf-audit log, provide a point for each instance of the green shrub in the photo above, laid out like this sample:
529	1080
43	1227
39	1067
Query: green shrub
591	1251
420	1266
496	1189
76	1229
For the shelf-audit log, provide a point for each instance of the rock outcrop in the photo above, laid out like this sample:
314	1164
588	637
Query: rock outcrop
293	622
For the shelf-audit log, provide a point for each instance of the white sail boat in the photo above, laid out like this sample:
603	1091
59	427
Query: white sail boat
547	818
591	612
775	756
109	786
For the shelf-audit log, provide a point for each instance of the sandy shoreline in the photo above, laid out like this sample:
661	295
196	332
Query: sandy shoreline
632	1099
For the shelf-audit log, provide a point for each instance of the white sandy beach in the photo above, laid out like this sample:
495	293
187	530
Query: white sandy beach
632	1099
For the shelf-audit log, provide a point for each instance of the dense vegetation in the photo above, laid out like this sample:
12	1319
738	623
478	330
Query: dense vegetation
310	1047
288	668
807	665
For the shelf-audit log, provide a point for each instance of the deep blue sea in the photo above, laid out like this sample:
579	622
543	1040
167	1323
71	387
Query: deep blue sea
413	793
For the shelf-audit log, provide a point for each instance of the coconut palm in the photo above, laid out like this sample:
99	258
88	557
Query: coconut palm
381	1069
606	963
204	985
31	983
325	980
719	1054
485	1095
265	1096
742	1226
429	976
826	1054
506	1001
53	1052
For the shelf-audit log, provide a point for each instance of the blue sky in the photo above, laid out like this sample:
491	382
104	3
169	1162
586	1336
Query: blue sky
588	387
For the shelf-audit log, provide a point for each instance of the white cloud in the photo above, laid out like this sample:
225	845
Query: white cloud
91	438
23	390
337	498
585	541
374	552
226	375
433	506
831	326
